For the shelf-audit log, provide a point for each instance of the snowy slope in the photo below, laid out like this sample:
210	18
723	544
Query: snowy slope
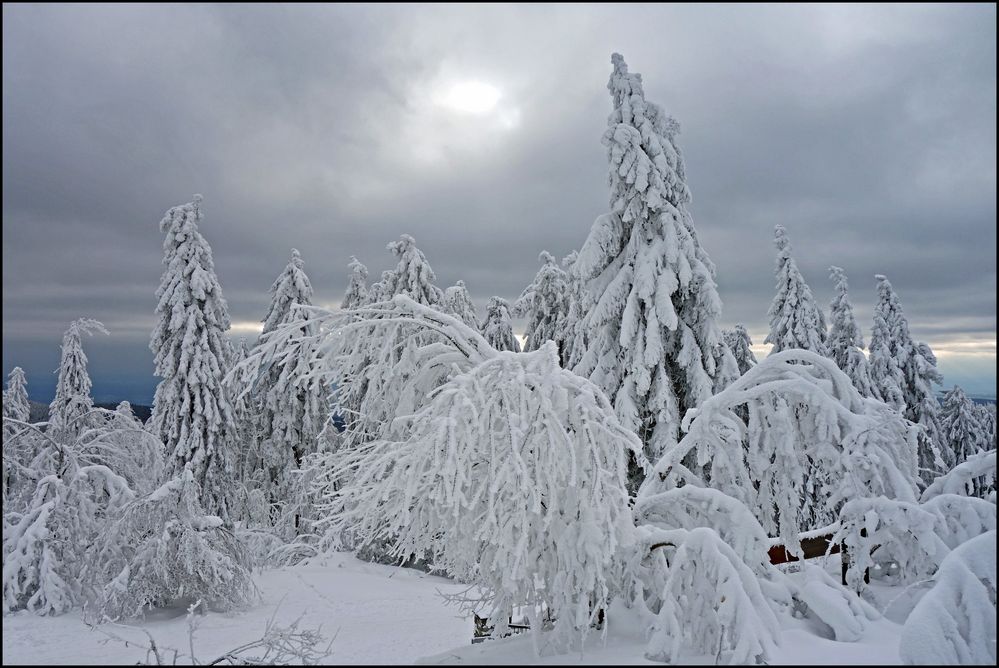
380	614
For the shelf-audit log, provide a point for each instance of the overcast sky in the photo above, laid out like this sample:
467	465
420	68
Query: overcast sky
868	132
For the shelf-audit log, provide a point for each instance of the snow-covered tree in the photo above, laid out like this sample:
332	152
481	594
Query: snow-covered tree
69	412
845	342
75	488
962	433
811	443
917	537
955	622
497	327
740	344
537	526
381	290
987	418
545	304
890	346
413	276
17	450
796	321
15	399
163	548
44	547
702	580
288	418
458	303
573	338
357	389
922	405
290	288
904	372
357	287
191	412
652	344
124	445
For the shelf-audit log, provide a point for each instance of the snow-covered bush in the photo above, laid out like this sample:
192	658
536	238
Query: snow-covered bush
163	548
811	443
45	548
711	603
955	622
917	537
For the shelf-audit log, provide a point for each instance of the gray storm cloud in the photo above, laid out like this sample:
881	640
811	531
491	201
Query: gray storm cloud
869	132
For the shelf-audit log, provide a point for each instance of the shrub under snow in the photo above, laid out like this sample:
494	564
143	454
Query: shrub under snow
811	442
955	622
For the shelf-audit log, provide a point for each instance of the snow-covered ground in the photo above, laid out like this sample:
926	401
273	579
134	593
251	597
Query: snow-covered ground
379	614
383	614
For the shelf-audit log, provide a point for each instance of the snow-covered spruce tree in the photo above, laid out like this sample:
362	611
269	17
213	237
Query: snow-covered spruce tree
291	416
15	400
545	304
845	341
653	344
360	398
573	337
247	415
17	450
413	276
955	622
796	321
923	407
890	343
191	412
987	418
962	433
739	343
903	372
497	328
810	444
357	286
381	290
458	303
69	412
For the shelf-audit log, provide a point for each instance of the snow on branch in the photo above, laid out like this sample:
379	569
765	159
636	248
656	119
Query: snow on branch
961	478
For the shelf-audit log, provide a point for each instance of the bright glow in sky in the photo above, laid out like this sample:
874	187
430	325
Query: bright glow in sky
472	97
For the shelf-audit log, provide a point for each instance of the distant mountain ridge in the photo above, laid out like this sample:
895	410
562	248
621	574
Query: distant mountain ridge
40	411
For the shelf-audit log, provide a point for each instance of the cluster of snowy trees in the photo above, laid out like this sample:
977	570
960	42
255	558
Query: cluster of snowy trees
630	452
